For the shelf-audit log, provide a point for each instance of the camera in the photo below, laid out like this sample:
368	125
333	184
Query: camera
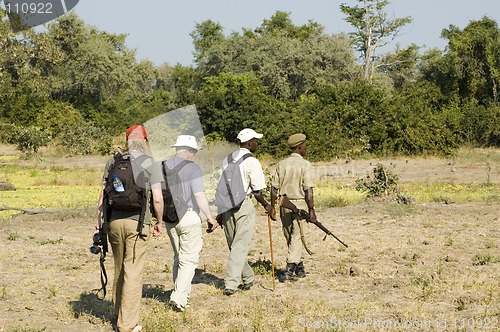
96	247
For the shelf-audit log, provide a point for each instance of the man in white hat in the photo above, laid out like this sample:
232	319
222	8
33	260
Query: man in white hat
239	223
186	235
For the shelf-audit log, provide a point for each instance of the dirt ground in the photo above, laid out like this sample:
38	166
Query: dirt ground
424	266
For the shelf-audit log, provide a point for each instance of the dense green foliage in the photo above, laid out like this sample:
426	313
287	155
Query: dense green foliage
78	87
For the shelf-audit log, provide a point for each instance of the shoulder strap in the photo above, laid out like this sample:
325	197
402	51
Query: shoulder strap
239	161
177	168
142	158
115	159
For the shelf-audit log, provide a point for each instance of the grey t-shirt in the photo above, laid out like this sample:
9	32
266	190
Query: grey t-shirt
191	178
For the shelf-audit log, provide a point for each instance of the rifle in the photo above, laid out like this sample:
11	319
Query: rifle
302	214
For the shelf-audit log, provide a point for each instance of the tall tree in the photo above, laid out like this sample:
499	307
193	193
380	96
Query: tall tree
475	53
97	65
205	35
289	60
374	29
401	66
27	60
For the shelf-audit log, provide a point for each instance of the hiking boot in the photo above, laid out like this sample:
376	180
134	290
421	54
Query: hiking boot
245	287
289	274
299	270
230	292
175	306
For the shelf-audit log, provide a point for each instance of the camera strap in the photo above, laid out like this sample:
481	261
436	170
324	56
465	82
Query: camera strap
101	293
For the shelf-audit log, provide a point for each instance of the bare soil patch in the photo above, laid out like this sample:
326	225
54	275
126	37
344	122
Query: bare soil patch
425	266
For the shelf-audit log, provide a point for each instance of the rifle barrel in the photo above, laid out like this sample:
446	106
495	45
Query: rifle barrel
324	229
318	224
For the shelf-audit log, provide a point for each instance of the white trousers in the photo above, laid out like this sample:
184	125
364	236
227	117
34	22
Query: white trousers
186	239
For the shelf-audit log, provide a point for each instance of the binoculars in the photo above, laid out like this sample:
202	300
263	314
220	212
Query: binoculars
96	246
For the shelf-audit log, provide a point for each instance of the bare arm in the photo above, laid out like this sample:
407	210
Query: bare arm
100	209
202	201
261	199
274	195
309	197
158	208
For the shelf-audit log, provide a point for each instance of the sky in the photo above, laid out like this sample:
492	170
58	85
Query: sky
160	30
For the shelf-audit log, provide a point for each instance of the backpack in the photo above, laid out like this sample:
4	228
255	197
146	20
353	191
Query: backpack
230	192
133	196
175	206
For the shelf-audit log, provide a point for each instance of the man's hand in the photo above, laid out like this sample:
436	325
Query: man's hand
312	215
273	214
212	224
270	211
157	229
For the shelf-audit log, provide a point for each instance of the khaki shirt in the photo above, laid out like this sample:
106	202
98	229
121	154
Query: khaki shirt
293	176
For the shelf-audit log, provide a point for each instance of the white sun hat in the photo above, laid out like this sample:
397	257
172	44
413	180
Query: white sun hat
188	141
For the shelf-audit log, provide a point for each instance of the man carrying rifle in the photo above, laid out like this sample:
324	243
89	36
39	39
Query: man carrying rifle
293	178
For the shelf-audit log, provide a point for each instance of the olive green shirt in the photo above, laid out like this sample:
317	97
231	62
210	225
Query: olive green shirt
293	176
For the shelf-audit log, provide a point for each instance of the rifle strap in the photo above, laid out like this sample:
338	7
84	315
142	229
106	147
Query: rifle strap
302	237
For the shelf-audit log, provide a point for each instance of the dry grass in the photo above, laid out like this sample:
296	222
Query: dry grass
426	266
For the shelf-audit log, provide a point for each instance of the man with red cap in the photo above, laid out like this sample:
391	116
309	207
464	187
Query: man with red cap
129	227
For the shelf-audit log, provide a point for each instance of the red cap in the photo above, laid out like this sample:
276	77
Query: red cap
136	132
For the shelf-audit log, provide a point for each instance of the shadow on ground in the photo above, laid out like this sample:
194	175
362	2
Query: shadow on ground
89	304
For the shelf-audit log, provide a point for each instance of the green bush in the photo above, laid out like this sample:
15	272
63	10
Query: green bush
31	139
86	139
8	133
382	182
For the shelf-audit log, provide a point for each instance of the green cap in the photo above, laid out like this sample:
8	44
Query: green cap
296	139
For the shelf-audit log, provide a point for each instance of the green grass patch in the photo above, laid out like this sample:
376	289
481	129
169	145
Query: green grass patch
13	236
328	193
26	329
52	197
463	192
485	259
8	157
48	241
32	176
474	155
49	187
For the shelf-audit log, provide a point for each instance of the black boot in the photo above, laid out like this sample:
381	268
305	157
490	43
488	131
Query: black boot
290	272
299	270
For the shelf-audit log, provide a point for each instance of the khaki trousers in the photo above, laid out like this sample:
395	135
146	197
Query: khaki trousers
291	230
129	254
186	239
239	226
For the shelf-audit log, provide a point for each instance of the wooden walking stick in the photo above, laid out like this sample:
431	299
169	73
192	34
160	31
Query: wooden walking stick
271	247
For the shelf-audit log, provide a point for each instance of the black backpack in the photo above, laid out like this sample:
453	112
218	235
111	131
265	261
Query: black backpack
134	194
230	192
175	207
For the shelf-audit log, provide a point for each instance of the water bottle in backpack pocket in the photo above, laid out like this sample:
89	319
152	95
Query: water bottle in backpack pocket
125	190
118	184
